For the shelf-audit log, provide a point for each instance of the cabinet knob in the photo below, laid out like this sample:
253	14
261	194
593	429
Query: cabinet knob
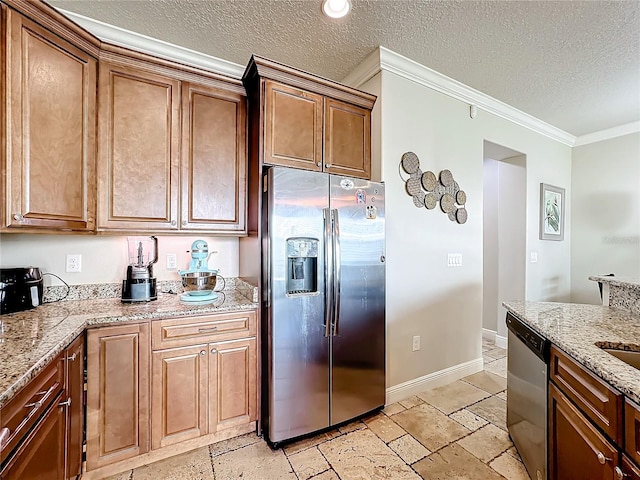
66	403
328	165
203	352
213	351
18	216
173	223
72	358
602	459
184	223
620	474
319	164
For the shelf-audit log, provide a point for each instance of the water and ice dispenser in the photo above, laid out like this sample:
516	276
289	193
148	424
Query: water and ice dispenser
302	265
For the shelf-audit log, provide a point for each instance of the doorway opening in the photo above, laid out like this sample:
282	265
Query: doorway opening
504	236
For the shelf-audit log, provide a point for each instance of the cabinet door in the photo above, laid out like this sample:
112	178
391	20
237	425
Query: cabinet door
233	387
138	154
41	456
577	450
292	127
117	393
74	390
50	130
629	470
214	159
632	430
347	139
179	394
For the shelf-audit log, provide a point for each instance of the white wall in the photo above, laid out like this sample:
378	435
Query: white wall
605	226
424	297
490	242
104	258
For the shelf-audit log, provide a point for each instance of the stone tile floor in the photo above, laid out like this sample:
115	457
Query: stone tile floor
457	431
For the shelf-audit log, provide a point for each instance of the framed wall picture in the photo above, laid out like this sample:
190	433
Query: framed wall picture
551	212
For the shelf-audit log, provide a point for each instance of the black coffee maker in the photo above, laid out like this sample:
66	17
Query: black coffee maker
140	285
20	289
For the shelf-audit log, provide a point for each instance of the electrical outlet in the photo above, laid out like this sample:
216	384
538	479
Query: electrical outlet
534	257
172	261
416	343
74	263
454	260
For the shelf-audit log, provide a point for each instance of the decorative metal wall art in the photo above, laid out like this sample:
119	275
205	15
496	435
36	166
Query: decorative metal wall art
427	189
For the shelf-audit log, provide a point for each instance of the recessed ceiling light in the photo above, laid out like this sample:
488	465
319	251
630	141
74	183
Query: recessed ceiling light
336	8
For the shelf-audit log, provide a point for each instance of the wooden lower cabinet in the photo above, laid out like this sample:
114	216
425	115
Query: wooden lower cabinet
202	389
628	470
235	370
179	394
74	390
577	450
42	455
117	393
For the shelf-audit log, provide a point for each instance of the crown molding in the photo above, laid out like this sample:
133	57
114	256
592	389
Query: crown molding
619	131
387	60
152	46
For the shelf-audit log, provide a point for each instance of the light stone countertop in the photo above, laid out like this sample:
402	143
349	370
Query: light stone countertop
29	340
617	281
575	329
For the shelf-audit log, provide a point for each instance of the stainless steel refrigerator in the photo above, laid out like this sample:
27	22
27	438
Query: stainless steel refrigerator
323	301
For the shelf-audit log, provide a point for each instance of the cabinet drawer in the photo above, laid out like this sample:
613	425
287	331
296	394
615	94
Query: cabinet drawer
22	411
181	332
595	398
632	430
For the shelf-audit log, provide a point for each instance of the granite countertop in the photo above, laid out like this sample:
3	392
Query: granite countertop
576	328
29	340
617	281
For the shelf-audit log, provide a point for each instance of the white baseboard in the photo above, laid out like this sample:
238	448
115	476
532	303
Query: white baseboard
489	334
432	380
499	340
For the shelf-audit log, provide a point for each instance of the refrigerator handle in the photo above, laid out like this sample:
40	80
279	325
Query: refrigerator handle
328	267
336	269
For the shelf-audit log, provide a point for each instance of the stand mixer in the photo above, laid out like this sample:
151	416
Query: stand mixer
199	281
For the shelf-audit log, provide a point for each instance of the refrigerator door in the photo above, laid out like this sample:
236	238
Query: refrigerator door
297	342
358	344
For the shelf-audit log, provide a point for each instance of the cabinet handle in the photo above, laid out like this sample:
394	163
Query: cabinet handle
72	358
66	403
209	329
213	351
5	433
602	459
203	352
18	216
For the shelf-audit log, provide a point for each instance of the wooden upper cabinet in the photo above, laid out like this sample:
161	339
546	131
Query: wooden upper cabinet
138	154
347	139
214	159
49	147
304	121
292	127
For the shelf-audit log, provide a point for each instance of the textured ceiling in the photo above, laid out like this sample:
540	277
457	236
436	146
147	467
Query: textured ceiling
573	64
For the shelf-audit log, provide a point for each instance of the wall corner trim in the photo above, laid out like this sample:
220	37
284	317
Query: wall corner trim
432	380
390	61
152	46
609	133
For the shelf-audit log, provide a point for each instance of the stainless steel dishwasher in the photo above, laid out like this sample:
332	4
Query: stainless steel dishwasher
527	377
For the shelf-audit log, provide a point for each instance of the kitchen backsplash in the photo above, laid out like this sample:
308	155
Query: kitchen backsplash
113	290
